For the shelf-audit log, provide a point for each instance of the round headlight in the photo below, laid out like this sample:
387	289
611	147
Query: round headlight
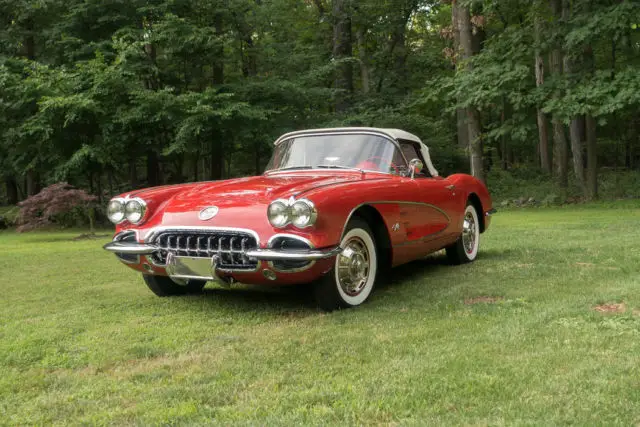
134	210
278	213
303	214
115	211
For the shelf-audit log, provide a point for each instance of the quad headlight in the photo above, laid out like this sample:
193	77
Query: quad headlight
301	213
132	210
115	211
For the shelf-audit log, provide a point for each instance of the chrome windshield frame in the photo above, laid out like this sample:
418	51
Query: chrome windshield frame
289	136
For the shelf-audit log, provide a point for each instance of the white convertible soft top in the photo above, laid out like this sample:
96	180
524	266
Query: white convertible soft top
394	134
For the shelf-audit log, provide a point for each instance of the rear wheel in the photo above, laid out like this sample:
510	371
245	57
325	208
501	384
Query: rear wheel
465	249
353	276
164	286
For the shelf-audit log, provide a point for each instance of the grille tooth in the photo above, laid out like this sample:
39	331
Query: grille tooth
229	246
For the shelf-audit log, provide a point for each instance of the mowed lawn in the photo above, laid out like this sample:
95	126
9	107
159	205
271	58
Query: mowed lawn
522	336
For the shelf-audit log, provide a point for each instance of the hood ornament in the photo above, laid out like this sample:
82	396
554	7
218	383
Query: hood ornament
208	213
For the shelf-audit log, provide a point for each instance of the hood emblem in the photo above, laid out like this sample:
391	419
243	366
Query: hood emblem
208	213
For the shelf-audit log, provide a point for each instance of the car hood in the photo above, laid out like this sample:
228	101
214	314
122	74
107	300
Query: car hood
242	198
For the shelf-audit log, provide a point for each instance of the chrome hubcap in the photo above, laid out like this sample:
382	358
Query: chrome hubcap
353	266
469	233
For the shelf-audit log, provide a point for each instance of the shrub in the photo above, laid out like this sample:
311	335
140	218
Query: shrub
55	205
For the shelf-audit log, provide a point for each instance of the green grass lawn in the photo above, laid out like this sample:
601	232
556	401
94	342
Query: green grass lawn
513	338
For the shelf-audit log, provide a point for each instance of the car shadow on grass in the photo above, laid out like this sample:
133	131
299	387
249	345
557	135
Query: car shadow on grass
297	301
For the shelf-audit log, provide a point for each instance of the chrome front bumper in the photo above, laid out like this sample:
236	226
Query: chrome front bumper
135	248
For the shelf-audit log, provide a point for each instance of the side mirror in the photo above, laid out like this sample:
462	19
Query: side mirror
415	166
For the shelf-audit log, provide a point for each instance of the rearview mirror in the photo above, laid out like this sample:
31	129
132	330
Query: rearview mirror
415	166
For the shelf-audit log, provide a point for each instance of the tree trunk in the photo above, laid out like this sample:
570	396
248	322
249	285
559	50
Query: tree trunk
153	170
217	159
195	166
363	56
472	115
133	173
592	159
342	51
33	184
543	127
561	155
99	187
461	114
257	156
12	190
576	130
29	40
218	64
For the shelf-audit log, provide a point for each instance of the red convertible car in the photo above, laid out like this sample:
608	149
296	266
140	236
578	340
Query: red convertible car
334	208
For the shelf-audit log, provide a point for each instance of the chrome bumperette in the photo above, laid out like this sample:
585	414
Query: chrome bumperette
132	237
490	212
271	244
293	255
130	248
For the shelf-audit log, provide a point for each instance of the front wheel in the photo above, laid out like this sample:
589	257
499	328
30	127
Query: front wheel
465	249
351	280
163	286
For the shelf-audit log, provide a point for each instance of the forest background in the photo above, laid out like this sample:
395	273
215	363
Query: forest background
539	98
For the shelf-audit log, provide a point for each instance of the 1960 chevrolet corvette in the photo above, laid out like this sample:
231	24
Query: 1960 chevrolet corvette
335	208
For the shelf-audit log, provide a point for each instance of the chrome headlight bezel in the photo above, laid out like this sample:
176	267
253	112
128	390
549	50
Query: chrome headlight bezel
135	210
115	202
299	213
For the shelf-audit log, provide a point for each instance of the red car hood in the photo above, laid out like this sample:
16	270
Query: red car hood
241	199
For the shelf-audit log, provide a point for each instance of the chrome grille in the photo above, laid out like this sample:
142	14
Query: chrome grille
228	246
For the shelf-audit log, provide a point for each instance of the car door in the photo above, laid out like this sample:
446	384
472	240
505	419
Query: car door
434	201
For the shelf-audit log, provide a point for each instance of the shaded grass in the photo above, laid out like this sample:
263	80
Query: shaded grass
83	341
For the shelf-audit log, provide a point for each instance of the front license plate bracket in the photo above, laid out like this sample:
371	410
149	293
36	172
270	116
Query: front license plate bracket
187	267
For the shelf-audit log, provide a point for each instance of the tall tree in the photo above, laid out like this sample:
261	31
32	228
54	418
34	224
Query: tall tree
472	114
543	128
342	53
561	154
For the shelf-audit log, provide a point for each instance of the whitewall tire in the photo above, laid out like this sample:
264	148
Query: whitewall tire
465	249
354	273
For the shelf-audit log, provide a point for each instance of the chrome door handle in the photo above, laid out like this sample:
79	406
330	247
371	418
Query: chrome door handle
450	187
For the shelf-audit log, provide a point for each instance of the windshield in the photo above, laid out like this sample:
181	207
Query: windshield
367	152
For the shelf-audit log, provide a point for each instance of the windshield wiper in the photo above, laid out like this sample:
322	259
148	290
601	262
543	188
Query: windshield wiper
338	167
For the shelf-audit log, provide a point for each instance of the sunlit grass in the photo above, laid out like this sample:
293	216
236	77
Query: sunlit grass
83	341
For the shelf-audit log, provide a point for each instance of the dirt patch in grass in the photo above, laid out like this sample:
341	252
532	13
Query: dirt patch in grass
483	300
619	307
589	264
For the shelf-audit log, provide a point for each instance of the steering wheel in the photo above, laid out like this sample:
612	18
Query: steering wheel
391	164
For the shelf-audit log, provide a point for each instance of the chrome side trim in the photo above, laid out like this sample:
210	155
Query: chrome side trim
282	255
294	237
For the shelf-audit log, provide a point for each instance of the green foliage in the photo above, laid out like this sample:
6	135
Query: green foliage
123	94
